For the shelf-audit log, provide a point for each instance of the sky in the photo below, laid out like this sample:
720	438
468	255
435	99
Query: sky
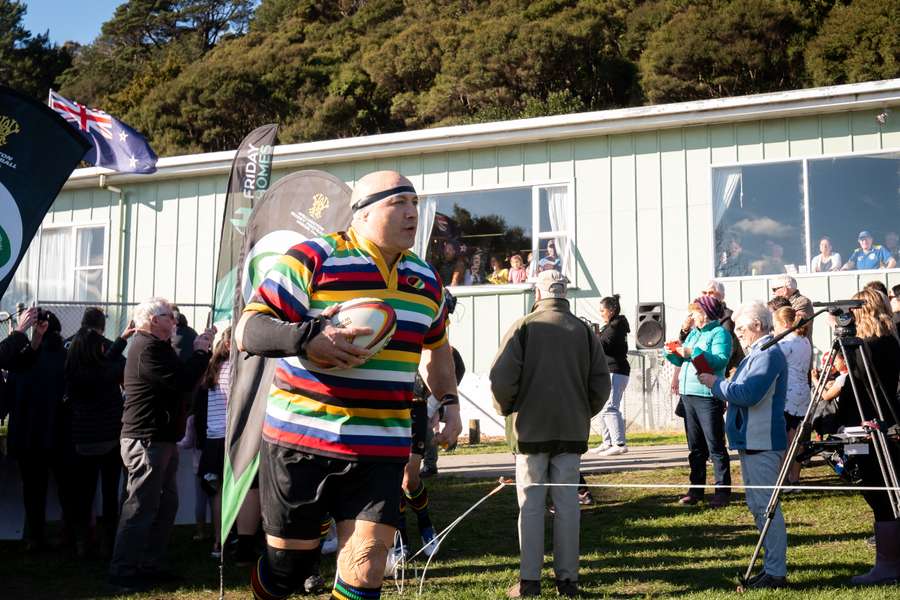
78	20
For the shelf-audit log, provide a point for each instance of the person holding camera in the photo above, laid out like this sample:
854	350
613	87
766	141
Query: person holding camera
756	428
155	380
39	423
875	326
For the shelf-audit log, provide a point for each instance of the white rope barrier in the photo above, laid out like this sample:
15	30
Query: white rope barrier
503	483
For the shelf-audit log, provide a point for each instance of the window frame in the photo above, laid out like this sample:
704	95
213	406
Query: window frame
73	249
804	167
536	186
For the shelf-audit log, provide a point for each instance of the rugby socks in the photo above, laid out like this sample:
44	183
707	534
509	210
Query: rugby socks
265	585
277	572
401	527
345	591
418	501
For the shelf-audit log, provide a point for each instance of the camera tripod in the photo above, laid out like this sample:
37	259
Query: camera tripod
844	342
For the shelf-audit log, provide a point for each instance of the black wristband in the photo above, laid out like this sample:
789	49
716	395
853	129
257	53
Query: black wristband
449	400
314	328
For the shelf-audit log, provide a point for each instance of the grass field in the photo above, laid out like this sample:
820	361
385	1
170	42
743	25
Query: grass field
635	544
498	445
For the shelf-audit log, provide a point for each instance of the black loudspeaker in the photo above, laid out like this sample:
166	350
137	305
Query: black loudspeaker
651	325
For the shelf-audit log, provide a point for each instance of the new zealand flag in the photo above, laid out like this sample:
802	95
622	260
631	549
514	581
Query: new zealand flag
115	145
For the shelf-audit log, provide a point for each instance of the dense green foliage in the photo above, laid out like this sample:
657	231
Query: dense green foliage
196	75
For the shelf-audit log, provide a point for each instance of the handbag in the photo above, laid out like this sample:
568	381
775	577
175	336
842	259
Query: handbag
679	408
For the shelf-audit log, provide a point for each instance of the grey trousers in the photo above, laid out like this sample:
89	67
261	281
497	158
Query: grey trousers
150	506
762	468
543	468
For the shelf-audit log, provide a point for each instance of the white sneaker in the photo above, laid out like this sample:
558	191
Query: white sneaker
600	449
395	558
614	451
329	546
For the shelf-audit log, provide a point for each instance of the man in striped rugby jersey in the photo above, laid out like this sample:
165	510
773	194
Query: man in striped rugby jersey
337	430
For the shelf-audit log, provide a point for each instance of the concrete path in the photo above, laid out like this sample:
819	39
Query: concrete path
637	458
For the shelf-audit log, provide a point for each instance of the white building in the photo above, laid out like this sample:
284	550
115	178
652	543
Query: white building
640	201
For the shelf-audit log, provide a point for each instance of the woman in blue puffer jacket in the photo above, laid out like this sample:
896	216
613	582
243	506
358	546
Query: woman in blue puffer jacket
704	414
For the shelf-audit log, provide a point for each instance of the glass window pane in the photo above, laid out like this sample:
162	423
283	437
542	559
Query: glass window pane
90	247
759	220
848	196
480	237
89	284
56	277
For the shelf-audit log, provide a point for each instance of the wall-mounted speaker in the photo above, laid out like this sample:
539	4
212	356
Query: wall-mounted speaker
651	325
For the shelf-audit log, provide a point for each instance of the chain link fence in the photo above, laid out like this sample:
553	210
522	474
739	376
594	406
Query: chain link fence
118	315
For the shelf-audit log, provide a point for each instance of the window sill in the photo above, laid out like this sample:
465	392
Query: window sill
508	289
802	276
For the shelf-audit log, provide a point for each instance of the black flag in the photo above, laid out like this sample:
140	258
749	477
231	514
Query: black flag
38	152
301	206
251	172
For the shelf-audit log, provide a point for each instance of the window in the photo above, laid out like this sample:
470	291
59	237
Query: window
813	215
496	236
62	264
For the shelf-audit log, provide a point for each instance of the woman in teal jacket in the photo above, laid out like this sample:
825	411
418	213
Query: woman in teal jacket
703	413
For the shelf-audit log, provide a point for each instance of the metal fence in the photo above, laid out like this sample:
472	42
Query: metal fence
118	314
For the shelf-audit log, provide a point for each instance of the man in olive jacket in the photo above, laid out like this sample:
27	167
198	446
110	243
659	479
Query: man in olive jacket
548	379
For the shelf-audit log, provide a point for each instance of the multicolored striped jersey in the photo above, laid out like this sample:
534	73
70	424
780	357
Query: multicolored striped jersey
363	412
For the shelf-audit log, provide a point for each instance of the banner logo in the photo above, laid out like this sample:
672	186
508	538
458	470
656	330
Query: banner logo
8	126
319	206
10	231
263	255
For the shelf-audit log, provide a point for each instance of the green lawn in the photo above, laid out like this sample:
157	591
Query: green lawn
635	544
494	446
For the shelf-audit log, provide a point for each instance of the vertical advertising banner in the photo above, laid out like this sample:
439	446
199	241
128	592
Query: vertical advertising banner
38	152
301	206
251	173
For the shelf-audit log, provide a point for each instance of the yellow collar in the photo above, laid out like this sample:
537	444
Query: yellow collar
389	275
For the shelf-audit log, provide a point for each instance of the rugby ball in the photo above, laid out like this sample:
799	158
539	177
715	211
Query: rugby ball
373	313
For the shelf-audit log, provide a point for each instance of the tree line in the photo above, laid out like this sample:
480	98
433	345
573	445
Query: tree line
196	75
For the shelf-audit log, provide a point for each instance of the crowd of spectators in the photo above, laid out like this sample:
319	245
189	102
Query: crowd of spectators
734	261
459	264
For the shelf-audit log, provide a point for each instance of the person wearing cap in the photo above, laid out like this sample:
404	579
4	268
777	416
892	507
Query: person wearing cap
869	255
786	287
549	377
337	436
703	414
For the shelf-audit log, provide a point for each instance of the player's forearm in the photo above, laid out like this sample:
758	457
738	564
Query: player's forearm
267	336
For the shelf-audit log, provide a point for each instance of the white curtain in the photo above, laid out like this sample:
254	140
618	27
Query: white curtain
560	220
57	265
427	208
726	186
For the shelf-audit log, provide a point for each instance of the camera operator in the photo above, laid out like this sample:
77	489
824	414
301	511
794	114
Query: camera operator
875	326
18	339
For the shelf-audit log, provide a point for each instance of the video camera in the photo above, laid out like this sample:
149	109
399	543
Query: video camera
844	323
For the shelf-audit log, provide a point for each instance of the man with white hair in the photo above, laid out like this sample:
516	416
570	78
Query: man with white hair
335	441
755	427
550	376
155	382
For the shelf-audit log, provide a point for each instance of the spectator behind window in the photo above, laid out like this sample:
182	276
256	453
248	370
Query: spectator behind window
827	259
551	261
517	271
499	274
733	261
869	255
452	267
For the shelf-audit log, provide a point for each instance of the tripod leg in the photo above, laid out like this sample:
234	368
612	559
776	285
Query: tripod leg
789	457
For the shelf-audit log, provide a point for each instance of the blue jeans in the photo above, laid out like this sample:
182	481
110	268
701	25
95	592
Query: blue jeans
762	468
704	425
613	422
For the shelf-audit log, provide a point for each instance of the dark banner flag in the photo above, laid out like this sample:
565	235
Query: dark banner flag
251	172
299	207
38	152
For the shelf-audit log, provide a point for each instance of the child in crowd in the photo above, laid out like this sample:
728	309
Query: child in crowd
517	271
824	420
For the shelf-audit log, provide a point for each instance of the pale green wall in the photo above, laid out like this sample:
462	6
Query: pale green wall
643	225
